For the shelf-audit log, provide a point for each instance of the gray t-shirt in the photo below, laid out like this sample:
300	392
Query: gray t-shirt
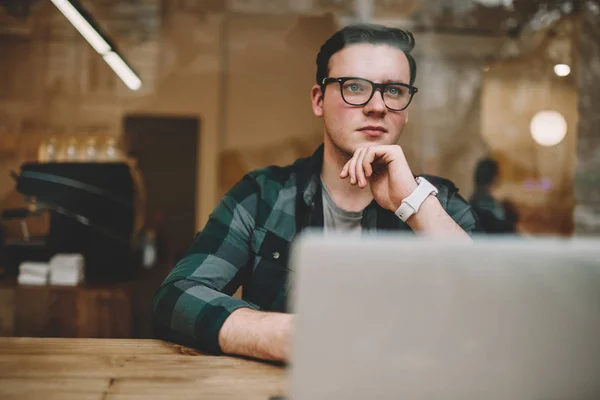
337	219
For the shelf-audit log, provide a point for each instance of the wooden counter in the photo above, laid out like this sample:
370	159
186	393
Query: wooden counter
98	311
44	368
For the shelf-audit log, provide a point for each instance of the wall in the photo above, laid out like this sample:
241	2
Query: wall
444	132
537	180
533	177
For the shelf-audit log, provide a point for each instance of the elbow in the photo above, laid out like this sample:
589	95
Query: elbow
162	312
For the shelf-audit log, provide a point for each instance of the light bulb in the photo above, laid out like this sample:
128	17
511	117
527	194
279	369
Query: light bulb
548	128
562	70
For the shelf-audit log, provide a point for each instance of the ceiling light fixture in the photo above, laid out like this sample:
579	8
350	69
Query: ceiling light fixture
562	70
98	43
548	128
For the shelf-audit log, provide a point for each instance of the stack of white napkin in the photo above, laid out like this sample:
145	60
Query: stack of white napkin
33	273
66	269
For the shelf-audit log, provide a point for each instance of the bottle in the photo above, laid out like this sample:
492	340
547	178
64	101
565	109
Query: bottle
148	249
48	150
42	151
71	150
111	152
90	150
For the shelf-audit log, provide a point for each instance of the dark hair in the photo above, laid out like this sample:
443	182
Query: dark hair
366	33
485	172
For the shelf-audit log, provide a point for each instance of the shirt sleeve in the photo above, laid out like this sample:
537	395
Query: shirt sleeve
462	213
456	206
195	299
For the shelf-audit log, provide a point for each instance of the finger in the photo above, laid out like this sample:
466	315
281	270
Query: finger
379	156
352	168
372	159
344	174
366	161
360	171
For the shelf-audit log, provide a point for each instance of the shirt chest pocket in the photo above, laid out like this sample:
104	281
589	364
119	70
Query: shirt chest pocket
270	280
270	248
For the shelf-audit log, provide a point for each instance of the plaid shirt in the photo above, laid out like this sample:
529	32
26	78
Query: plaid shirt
246	241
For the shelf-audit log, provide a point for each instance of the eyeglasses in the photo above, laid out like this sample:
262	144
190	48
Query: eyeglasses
359	91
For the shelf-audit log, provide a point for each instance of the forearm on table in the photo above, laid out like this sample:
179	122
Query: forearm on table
432	220
192	314
258	334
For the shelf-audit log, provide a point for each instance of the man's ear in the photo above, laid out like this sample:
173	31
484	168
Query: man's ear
316	96
406	119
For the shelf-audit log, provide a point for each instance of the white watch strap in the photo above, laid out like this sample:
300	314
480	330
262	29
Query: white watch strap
412	203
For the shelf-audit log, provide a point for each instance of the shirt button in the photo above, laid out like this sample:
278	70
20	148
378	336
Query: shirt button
276	255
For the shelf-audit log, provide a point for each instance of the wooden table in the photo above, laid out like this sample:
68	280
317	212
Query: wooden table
44	368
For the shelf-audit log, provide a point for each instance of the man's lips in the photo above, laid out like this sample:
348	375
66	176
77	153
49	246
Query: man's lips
373	131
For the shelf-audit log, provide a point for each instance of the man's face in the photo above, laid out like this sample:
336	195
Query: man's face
349	127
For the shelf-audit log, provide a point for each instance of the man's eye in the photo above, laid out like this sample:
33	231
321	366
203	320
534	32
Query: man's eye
394	91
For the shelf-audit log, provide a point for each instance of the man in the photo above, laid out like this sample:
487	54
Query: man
356	181
494	216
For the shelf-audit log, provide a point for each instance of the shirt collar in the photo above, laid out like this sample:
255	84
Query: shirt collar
309	176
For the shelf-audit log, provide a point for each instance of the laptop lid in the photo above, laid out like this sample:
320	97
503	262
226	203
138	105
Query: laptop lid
390	317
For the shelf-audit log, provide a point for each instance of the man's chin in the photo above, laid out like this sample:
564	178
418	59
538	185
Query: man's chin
349	148
369	141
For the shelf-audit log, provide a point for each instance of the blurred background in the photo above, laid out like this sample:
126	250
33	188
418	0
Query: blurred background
128	143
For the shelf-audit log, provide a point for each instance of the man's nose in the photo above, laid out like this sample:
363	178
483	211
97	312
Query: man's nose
376	104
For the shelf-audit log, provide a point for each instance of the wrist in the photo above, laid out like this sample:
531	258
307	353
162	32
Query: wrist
419	221
285	337
408	190
276	337
411	204
257	334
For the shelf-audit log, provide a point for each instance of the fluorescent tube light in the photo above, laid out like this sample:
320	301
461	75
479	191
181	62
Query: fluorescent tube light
84	27
122	70
94	38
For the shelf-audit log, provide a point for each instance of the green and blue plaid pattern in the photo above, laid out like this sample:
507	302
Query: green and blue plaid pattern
246	242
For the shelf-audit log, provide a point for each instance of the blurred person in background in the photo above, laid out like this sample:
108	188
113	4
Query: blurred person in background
494	216
358	180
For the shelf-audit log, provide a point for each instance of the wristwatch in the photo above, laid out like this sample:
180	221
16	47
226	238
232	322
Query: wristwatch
412	203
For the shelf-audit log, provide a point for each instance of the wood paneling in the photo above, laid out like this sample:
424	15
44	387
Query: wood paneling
7	311
54	311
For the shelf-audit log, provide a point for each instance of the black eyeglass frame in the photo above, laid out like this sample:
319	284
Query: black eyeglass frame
374	87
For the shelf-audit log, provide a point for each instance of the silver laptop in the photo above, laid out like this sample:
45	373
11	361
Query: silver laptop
395	317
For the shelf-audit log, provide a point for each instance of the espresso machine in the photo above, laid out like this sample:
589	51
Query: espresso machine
91	212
